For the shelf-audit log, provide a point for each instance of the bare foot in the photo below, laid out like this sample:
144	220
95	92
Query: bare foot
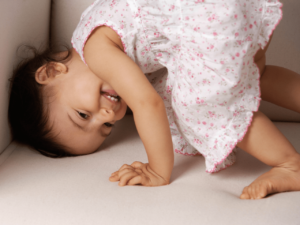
279	179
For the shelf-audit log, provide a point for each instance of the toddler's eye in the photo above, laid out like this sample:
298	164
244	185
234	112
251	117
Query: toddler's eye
108	124
82	115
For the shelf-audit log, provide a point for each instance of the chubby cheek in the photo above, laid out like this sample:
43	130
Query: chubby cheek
122	110
87	145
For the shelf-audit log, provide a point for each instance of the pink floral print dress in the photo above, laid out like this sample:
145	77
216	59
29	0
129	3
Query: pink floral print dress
209	84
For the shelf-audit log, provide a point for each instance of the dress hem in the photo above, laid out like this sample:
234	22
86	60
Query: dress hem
270	32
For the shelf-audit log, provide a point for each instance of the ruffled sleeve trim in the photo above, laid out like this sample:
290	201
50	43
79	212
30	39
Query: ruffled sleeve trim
271	16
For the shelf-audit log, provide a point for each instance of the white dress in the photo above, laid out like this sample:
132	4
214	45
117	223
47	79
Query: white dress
210	86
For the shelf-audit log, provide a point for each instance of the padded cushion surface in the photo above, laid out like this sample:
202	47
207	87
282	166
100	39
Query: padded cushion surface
39	190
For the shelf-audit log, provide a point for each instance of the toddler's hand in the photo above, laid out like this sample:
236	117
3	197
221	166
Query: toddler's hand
137	173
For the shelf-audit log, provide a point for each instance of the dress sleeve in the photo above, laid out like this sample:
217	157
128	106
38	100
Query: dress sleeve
100	13
271	16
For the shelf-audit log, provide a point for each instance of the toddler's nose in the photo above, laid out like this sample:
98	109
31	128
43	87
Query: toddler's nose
108	114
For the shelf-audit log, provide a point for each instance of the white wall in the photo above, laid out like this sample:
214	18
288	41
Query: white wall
65	17
21	22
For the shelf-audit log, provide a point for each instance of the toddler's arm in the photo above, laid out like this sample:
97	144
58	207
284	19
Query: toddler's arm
111	64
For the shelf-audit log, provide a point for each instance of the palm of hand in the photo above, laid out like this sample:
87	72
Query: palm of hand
137	173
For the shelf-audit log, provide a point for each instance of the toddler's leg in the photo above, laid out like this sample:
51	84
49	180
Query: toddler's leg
281	87
265	142
278	85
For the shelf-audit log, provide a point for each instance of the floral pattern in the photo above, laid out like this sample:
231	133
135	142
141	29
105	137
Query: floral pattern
203	53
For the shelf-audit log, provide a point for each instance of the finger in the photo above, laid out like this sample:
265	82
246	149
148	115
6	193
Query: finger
121	168
139	171
127	177
135	180
137	164
140	179
114	173
124	167
114	178
118	174
124	171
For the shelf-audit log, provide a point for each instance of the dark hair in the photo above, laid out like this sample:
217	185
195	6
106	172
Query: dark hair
27	114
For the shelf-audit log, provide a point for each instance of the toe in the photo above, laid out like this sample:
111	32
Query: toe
262	191
250	192
245	194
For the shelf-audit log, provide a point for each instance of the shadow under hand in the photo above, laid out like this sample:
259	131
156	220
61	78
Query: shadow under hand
186	164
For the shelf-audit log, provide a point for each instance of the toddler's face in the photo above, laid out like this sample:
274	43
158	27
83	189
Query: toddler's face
82	111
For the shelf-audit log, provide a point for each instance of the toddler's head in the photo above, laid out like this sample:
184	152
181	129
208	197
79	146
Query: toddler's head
59	106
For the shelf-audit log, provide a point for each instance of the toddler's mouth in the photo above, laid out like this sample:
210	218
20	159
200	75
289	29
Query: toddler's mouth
112	97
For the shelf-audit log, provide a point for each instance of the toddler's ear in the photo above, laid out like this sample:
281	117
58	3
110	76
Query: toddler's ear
48	72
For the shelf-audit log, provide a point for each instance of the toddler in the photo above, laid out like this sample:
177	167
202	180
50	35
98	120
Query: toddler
206	102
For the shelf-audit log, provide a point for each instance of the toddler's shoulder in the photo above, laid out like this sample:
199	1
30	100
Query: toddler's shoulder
108	36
